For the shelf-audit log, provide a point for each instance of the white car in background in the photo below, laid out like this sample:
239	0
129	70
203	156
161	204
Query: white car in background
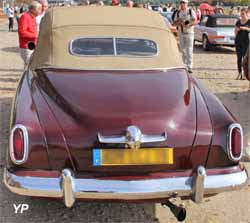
215	30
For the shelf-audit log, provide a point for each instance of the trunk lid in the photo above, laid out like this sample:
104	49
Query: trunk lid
85	103
225	31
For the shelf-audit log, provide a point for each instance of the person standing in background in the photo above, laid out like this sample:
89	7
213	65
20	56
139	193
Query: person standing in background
27	30
115	3
21	11
45	6
231	11
130	3
100	3
160	8
86	2
185	19
147	6
238	11
248	12
10	13
198	14
16	12
170	7
242	29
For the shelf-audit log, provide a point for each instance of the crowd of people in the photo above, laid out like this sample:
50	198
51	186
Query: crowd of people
183	17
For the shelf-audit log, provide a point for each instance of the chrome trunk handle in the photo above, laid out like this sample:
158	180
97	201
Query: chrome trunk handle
133	138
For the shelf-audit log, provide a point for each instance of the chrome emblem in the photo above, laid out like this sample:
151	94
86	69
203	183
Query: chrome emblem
133	138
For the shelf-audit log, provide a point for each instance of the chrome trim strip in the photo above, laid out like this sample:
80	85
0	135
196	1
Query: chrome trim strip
111	139
70	188
133	138
229	138
154	138
114	46
26	144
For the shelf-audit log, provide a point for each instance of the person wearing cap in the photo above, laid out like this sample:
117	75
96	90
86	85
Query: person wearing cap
185	19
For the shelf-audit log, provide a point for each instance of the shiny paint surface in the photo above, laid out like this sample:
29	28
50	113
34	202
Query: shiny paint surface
65	109
127	91
220	118
24	113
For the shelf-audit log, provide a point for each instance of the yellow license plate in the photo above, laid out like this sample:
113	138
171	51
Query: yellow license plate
120	157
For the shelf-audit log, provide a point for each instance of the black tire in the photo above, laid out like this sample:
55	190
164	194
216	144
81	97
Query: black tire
205	43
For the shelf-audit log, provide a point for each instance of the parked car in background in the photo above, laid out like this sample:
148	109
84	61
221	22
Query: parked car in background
107	111
216	30
156	8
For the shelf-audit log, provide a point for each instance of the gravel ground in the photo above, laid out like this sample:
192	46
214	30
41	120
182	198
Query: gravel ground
217	70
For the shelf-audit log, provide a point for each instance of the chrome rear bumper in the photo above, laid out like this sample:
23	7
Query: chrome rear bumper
70	188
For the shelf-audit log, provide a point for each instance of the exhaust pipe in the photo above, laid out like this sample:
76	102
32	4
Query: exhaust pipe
179	211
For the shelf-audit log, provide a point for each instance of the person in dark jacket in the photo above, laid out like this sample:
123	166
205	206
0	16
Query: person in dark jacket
242	29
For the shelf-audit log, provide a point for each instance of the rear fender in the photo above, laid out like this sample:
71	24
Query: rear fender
24	113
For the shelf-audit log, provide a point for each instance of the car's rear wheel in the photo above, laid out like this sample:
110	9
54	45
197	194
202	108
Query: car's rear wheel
205	43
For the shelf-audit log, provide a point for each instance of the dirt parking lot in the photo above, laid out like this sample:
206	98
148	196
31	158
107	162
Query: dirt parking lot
217	70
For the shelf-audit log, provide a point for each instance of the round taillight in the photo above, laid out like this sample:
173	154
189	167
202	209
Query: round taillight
18	144
235	142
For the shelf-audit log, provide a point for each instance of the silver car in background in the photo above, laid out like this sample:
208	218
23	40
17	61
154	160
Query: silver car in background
216	30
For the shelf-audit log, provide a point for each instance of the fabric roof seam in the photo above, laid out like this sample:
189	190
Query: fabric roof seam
52	19
110	25
123	15
105	70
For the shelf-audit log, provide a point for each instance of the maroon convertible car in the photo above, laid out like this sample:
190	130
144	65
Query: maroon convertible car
106	111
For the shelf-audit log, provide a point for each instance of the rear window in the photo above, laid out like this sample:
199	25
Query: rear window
113	47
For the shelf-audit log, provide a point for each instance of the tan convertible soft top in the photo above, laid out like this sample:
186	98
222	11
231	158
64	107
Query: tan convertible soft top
61	25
